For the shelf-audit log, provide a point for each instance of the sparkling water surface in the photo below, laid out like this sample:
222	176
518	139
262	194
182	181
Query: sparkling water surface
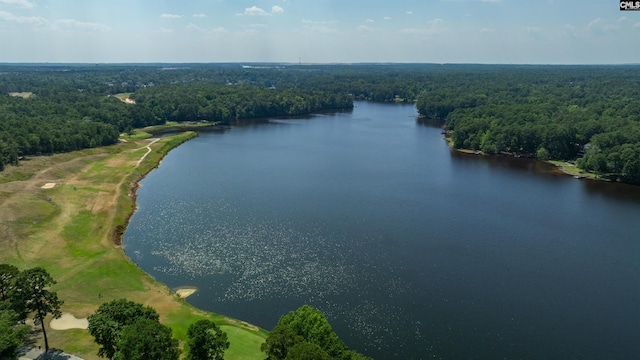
411	250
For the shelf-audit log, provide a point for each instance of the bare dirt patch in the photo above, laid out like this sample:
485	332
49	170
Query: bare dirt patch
48	186
24	95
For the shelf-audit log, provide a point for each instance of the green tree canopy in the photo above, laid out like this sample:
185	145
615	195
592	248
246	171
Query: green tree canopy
111	318
206	341
30	294
12	334
146	339
305	325
7	275
307	351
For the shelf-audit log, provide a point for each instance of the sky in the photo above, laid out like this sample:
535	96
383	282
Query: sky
319	31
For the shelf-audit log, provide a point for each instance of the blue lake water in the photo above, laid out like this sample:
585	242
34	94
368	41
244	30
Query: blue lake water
411	250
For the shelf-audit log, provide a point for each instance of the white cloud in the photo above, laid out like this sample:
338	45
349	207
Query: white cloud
624	18
322	29
594	23
386	18
435	26
321	22
194	27
170	16
218	30
199	15
259	25
24	3
369	21
255	11
532	29
42	23
248	32
636	25
487	30
165	31
75	24
409	12
492	1
32	20
365	28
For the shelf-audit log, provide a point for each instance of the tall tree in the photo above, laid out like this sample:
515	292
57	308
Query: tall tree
7	274
111	318
31	291
306	334
147	339
206	341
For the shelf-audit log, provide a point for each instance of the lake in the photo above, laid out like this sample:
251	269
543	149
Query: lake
411	250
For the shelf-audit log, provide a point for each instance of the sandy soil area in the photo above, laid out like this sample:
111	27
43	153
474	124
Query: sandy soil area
68	321
183	293
48	186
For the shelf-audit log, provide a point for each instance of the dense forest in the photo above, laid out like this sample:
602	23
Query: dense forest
50	109
589	114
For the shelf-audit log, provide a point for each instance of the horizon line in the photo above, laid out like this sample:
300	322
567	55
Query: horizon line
32	63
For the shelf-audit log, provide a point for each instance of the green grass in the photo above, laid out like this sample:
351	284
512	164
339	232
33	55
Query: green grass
122	96
31	214
137	135
71	237
242	343
572	169
14	176
172	125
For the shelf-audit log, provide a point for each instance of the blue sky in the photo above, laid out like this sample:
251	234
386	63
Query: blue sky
319	31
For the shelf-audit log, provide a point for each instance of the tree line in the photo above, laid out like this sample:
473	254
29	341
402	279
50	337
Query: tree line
226	103
587	114
126	330
72	108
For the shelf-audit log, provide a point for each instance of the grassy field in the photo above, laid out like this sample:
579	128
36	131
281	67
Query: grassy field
571	169
124	97
24	95
69	230
171	126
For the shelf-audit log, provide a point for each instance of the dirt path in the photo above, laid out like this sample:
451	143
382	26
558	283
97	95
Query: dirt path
67	229
148	147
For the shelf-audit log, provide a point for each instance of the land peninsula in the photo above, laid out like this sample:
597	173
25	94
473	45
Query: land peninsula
61	211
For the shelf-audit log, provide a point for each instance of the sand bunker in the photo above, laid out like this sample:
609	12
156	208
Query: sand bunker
184	292
48	186
68	321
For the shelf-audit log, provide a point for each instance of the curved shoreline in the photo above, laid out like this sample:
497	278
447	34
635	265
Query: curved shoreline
134	185
151	163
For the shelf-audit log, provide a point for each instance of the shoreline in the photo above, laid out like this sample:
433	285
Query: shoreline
120	229
560	167
74	230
